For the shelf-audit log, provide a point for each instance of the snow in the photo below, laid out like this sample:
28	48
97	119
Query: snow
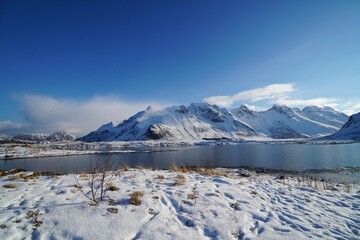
204	207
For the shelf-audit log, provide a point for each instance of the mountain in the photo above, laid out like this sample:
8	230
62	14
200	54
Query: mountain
325	115
204	121
54	137
350	130
281	122
196	122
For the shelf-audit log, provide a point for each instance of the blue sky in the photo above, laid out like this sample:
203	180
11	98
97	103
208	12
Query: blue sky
73	65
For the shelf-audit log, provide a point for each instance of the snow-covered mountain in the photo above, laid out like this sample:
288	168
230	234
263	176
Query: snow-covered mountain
282	122
350	130
54	137
204	121
325	115
196	122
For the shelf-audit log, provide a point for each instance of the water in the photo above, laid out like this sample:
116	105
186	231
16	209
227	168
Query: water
340	158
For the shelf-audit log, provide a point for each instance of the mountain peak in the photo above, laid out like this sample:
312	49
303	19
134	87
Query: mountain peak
281	108
241	111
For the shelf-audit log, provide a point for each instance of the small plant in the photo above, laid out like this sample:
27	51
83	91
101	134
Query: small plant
10	186
160	177
235	206
180	180
33	216
112	210
135	198
139	167
132	176
126	168
192	196
111	187
151	211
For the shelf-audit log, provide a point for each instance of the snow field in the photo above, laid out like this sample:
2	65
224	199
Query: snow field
198	207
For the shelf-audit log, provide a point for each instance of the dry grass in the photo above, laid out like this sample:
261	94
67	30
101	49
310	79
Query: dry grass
112	210
9	172
139	167
78	186
192	196
111	187
211	172
126	168
160	177
33	215
135	198
10	186
132	176
180	180
84	176
15	177
208	171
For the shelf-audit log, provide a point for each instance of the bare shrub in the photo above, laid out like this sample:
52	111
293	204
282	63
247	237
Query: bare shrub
10	186
98	180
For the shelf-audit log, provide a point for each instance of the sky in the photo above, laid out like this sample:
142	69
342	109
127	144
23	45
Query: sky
74	65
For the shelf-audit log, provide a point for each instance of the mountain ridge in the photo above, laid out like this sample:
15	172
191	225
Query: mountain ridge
201	121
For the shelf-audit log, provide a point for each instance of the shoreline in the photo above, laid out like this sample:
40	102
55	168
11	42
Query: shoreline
11	151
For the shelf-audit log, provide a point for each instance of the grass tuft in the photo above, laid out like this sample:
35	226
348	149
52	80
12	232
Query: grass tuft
135	198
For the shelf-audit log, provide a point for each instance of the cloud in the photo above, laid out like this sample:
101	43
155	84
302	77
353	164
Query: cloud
281	94
48	114
269	92
9	125
350	107
11	128
331	102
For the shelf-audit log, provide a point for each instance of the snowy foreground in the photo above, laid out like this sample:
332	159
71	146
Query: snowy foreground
189	206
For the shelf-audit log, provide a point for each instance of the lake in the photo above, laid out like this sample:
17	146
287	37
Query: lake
330	159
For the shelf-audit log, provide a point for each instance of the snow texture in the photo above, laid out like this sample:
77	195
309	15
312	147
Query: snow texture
203	207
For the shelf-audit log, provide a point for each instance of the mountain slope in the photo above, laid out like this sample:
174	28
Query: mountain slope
282	122
325	115
350	130
196	122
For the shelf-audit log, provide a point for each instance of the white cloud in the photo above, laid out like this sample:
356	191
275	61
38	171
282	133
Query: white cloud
350	107
269	92
331	102
281	94
255	108
9	125
48	114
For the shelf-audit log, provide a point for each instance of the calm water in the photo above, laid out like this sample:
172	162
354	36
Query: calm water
297	157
